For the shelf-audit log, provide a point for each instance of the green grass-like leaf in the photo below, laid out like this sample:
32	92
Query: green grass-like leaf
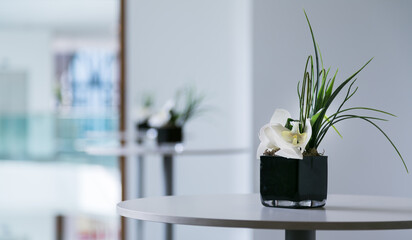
330	86
316	54
316	94
368	119
317	124
333	126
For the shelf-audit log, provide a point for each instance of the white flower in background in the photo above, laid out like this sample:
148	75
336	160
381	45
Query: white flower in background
276	137
144	113
159	119
162	117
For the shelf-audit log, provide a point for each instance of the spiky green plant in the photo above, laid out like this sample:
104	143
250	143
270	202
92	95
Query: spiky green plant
316	93
147	100
189	105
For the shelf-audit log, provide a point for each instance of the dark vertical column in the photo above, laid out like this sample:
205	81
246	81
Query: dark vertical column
168	174
168	183
59	221
140	192
122	107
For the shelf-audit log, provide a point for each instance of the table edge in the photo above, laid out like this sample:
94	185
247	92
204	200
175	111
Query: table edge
253	224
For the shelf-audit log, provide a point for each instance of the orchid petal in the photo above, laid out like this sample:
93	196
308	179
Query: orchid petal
143	114
284	137
262	135
159	119
288	143
280	116
169	105
277	130
269	137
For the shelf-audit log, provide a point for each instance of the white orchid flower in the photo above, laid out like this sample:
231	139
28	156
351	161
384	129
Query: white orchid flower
144	113
287	143
267	134
162	117
169	105
292	143
159	119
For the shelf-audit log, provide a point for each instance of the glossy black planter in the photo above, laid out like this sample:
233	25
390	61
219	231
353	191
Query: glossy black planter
293	183
169	135
141	128
144	125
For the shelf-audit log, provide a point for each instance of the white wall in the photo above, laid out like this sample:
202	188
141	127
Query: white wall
206	44
349	33
63	17
30	52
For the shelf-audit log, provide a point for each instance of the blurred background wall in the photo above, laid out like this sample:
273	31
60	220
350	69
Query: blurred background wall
52	70
33	92
204	44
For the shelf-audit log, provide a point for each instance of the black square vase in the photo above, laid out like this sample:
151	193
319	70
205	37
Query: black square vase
169	135
143	125
293	183
141	128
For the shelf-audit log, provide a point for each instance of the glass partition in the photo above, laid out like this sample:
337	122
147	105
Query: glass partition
59	91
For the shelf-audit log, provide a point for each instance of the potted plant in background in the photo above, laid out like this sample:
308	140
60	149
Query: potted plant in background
170	120
292	171
144	114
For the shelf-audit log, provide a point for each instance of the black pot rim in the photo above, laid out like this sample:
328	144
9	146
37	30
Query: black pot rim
304	157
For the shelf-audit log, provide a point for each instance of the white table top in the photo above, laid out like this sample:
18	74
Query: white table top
342	212
178	149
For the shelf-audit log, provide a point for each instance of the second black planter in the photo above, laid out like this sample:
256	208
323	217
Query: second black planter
293	183
143	125
169	135
141	128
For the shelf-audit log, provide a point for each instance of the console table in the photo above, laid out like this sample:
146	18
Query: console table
342	212
168	152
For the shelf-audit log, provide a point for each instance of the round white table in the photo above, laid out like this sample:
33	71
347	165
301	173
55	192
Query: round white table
342	212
